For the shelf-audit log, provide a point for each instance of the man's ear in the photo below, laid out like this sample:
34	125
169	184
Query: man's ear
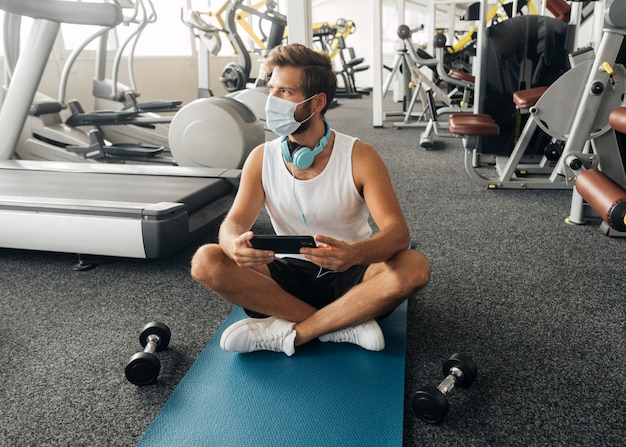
320	101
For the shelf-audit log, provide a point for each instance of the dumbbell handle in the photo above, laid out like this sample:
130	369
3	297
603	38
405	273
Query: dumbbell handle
451	380
152	344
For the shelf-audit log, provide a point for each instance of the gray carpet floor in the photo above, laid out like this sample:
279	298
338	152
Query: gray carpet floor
538	304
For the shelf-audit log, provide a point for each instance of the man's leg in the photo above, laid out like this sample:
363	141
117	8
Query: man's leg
383	288
252	289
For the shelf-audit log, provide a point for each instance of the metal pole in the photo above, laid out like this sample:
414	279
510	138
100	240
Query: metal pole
377	35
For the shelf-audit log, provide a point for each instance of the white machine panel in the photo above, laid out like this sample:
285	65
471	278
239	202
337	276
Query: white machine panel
97	235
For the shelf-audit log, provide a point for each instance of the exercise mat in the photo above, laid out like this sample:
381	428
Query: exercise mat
327	394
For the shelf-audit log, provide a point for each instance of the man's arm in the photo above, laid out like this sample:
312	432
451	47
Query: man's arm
372	179
234	234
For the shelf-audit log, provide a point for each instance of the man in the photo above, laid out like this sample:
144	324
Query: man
336	290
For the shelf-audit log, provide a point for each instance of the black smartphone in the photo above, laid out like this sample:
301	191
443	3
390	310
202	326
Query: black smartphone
282	244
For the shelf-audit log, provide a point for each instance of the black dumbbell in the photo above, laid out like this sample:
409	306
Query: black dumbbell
430	403
143	367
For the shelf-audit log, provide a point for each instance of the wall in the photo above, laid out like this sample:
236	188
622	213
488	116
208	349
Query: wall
157	78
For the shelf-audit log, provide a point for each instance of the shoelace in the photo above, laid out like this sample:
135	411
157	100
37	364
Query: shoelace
347	334
272	342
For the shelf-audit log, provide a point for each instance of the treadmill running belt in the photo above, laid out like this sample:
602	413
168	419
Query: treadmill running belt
114	187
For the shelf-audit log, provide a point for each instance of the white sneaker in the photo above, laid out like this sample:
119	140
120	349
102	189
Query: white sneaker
367	335
260	334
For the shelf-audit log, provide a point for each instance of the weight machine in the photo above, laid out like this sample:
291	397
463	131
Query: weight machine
331	38
523	153
457	55
574	112
409	61
236	76
600	176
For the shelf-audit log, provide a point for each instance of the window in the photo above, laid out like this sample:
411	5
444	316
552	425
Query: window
165	36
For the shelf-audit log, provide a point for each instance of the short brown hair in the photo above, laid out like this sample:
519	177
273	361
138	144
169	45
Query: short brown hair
318	75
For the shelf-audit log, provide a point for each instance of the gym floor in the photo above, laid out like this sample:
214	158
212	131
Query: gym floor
537	303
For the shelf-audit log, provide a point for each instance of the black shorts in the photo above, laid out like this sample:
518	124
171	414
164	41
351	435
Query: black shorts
304	280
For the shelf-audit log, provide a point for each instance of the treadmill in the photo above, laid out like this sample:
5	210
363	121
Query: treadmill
136	211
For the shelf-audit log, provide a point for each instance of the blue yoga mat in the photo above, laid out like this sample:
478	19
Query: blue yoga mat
327	394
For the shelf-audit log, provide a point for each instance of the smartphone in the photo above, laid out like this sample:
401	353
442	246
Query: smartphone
282	244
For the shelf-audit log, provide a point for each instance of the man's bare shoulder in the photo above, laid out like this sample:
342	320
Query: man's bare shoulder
255	158
365	153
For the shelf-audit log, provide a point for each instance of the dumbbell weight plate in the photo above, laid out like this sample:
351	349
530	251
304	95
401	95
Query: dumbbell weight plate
233	77
440	40
430	404
159	329
465	364
143	369
404	32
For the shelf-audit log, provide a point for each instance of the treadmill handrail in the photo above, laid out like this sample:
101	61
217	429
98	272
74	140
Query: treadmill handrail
61	11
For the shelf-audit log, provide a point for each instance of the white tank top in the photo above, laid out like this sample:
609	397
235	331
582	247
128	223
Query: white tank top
328	204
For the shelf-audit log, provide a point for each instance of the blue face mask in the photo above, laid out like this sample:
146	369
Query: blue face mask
280	115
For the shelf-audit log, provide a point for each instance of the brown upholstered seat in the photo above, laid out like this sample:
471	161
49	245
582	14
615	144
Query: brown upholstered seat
525	99
472	124
617	119
559	9
456	74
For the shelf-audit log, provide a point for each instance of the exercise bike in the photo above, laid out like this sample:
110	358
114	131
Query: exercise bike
45	135
111	95
214	132
236	76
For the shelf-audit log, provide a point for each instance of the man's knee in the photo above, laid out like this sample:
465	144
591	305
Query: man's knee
205	264
416	270
421	274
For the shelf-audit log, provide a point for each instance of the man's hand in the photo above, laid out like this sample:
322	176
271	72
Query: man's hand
331	254
246	256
